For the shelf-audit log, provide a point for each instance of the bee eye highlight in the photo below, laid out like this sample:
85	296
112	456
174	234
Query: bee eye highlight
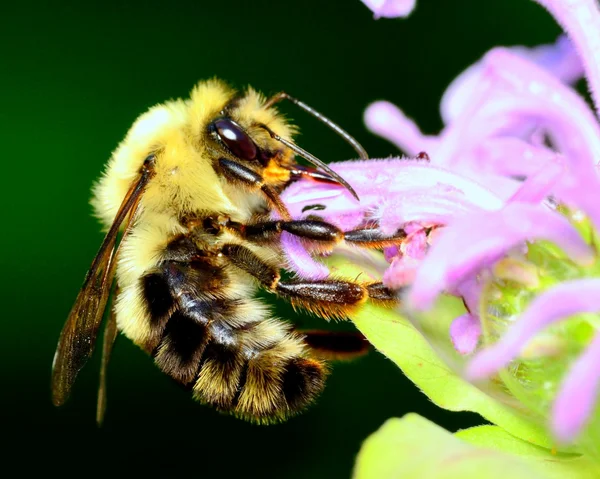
236	139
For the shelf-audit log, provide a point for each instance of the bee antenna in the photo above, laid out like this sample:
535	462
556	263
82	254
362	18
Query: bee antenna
362	153
311	159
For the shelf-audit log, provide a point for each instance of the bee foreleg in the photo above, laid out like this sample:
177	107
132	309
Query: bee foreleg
237	173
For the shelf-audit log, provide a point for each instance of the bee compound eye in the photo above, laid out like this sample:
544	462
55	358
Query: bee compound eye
235	138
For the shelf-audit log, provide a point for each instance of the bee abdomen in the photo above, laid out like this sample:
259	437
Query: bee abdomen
303	380
263	386
181	348
239	371
227	350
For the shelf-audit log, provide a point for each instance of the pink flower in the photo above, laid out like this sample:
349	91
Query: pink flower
499	115
518	146
390	8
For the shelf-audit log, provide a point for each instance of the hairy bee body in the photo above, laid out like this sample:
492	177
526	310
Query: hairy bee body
178	298
195	188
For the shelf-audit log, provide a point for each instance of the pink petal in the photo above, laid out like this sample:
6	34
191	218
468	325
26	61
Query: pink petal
465	332
459	94
511	156
560	302
390	253
579	188
415	245
560	59
401	272
435	206
562	110
517	93
390	8
479	239
540	184
470	291
380	182
387	120
581	20
576	399
299	260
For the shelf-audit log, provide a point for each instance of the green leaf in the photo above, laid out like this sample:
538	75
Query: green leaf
396	337
414	448
553	465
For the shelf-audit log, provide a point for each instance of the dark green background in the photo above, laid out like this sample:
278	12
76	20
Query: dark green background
73	78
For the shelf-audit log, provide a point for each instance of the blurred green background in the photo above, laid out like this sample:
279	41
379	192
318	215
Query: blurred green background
74	77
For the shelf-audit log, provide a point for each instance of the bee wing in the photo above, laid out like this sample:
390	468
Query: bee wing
78	336
110	335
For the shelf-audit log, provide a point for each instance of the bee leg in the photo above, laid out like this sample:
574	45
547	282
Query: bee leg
240	174
324	235
336	345
329	298
374	238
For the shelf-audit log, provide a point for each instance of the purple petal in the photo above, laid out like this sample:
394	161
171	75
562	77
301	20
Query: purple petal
401	272
581	20
559	107
479	239
511	156
520	95
579	188
388	121
415	246
390	8
419	186
560	59
470	291
560	302
427	207
459	94
576	399
465	332
540	184
299	260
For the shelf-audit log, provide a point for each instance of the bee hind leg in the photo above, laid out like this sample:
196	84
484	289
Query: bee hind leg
328	298
336	345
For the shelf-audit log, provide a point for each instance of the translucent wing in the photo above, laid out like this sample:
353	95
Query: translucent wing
78	336
110	334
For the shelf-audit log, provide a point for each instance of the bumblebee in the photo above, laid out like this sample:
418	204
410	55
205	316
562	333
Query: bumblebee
188	199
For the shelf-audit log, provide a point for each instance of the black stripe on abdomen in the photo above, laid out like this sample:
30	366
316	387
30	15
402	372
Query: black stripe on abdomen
181	347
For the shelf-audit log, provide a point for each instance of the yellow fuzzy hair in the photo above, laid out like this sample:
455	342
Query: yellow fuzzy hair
184	182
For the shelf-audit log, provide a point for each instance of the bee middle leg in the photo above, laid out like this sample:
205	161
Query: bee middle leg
328	298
